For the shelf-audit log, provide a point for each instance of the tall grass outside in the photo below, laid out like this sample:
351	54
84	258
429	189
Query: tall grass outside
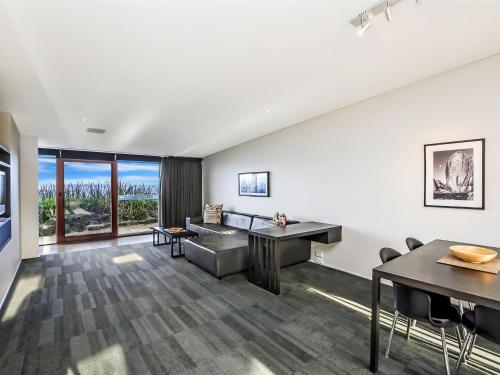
87	208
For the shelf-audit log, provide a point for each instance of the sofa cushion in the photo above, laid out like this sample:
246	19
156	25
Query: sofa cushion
220	255
235	220
260	222
214	229
212	213
219	244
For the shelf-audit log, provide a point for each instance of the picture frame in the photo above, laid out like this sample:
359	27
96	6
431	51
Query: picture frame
253	184
454	174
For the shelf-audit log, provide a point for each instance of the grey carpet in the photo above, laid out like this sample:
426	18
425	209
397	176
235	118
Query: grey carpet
134	310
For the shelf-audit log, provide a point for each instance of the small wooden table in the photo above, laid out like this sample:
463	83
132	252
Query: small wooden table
419	269
173	237
264	249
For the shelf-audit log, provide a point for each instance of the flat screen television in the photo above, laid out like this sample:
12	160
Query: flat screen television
3	192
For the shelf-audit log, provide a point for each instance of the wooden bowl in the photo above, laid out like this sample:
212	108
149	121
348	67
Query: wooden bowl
175	229
473	254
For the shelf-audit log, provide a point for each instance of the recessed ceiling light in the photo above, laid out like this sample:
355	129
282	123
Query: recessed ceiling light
96	130
269	110
85	119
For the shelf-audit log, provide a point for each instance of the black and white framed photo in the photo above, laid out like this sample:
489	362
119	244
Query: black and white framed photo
254	184
454	174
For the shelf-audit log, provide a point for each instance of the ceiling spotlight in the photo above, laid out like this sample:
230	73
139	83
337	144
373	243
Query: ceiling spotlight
362	20
364	26
85	119
388	12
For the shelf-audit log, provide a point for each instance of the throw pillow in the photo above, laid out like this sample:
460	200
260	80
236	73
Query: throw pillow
212	214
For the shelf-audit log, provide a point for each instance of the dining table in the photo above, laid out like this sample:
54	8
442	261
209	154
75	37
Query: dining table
419	269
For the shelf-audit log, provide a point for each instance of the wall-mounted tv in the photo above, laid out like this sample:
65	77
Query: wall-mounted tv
3	193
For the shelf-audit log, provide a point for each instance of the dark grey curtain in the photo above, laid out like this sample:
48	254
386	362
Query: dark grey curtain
180	190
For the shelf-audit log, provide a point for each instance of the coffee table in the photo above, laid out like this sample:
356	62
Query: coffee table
173	238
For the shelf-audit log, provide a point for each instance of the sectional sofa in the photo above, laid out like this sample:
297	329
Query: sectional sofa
222	249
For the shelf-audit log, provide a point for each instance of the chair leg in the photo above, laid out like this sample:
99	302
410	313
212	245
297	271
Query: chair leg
472	344
460	341
445	351
408	327
393	328
461	309
467	341
459	338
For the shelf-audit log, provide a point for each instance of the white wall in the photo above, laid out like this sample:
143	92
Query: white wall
29	196
362	167
10	256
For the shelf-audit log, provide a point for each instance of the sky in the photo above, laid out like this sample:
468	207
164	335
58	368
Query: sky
132	172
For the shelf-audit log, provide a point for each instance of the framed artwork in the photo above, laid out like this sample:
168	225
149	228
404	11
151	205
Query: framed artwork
253	184
454	174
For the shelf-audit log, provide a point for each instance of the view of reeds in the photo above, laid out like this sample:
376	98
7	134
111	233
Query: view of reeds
88	206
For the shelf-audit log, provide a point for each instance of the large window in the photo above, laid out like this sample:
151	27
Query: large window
90	195
138	192
47	199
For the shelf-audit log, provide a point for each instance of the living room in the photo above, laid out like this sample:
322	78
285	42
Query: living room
249	188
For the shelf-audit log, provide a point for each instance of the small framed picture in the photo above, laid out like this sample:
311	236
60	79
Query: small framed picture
254	184
454	174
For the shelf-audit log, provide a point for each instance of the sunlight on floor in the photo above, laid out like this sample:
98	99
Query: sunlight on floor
128	258
257	367
20	295
110	360
482	358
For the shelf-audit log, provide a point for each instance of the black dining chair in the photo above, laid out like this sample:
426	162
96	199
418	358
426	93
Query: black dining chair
387	254
413	243
422	306
482	321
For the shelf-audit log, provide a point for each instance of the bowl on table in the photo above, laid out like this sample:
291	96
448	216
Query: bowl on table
473	254
175	229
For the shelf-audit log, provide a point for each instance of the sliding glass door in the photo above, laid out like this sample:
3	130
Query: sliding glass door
86	200
47	200
86	195
138	194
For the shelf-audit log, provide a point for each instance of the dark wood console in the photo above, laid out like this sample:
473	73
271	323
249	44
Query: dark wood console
264	249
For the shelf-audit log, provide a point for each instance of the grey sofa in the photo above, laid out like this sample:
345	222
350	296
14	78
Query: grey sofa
222	249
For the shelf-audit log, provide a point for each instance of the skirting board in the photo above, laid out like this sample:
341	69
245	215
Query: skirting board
386	282
9	289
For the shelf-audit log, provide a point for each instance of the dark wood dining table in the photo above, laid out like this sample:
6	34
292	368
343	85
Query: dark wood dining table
419	269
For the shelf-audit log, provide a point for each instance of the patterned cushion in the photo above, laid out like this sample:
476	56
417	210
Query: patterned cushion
212	213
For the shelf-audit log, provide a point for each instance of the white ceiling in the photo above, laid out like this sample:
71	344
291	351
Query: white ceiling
193	77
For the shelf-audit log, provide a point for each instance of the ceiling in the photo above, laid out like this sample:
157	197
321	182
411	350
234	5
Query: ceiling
193	77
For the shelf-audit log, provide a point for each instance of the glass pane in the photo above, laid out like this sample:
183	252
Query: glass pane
46	200
138	188
87	198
